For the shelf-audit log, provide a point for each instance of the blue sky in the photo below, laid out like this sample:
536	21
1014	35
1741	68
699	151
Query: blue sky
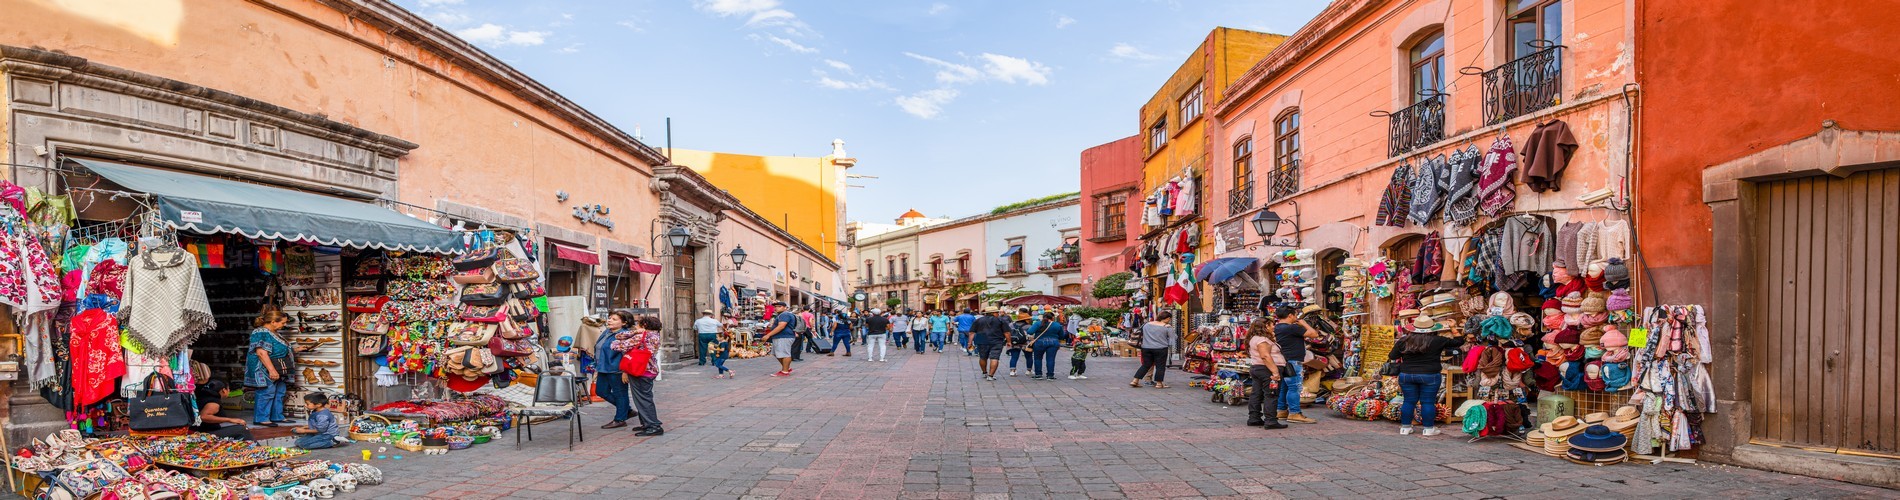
956	106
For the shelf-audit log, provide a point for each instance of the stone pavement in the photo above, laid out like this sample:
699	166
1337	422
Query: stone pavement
922	426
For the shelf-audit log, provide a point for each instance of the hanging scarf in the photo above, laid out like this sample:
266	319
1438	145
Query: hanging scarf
1396	202
96	356
43	292
165	306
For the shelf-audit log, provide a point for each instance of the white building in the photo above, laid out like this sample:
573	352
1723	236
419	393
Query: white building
1035	248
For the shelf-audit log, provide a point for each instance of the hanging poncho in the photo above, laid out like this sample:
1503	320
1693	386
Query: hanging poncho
165	307
1495	193
1396	202
1461	206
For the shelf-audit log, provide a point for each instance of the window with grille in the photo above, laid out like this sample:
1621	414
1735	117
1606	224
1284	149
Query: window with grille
1285	179
1111	215
1240	198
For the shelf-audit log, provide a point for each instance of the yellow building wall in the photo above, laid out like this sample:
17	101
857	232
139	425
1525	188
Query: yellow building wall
799	194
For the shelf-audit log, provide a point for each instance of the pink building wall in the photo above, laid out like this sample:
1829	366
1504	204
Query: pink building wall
1106	170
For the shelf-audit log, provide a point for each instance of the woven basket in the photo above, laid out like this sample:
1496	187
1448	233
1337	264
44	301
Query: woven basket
368	436
411	442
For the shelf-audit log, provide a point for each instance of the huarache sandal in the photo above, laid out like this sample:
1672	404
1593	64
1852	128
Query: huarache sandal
324	374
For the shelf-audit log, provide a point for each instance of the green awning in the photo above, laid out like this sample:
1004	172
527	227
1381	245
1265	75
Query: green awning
212	205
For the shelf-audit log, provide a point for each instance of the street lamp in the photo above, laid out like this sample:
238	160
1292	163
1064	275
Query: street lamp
738	256
1266	223
678	237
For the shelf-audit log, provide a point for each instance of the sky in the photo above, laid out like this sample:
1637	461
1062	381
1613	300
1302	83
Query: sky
955	107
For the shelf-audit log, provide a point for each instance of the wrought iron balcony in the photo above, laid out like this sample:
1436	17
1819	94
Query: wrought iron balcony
1416	126
1283	181
1240	199
1524	85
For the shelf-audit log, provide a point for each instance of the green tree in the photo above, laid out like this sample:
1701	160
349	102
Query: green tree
1113	285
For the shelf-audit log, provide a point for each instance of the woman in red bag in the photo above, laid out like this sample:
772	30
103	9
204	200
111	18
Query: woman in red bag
640	366
609	383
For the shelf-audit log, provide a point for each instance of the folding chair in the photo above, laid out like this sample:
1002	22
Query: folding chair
554	396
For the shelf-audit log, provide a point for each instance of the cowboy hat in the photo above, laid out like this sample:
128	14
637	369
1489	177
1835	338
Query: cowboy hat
1561	427
1310	309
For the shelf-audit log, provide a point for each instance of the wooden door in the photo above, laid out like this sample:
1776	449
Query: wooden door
685	270
1826	353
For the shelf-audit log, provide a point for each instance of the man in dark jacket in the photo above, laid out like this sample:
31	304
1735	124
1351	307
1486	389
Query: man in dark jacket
988	334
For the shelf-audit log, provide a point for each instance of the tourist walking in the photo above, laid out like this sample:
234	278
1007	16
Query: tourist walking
841	333
645	336
1079	352
1420	371
988	334
876	328
939	329
1046	337
919	328
1157	338
965	323
609	383
782	334
1264	361
1292	333
900	329
1018	339
707	329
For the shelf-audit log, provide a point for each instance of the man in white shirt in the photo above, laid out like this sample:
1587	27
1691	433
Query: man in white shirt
708	330
900	329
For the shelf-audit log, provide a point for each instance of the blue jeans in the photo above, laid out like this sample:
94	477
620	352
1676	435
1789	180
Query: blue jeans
270	402
936	338
719	357
841	342
1042	356
920	339
614	390
1421	392
898	337
1015	352
1290	380
963	339
704	353
316	441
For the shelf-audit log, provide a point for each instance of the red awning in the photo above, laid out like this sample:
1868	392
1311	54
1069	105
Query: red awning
641	266
575	254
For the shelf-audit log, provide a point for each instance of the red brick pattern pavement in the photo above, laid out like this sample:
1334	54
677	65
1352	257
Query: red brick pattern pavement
922	426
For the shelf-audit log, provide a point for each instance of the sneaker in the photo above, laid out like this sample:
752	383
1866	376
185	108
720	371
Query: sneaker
1300	419
1083	377
1405	430
1012	372
1429	432
1071	377
1274	425
991	379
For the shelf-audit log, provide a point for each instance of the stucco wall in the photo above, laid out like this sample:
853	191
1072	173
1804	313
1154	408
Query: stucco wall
1105	169
1041	229
800	194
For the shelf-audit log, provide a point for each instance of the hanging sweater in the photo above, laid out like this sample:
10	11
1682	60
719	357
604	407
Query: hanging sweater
1397	200
1547	152
1613	239
1526	245
1587	249
1567	245
1494	179
1461	205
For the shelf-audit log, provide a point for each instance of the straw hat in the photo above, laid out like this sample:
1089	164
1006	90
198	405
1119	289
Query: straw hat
1353	262
1440	299
1534	438
1561	428
1596	418
1406	314
1423	324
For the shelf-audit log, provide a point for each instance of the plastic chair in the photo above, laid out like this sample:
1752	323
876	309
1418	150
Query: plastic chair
554	396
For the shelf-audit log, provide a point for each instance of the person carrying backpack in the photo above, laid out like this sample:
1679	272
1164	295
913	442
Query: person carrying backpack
1047	336
1018	338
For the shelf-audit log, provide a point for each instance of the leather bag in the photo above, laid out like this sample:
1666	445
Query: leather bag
506	348
484	314
484	294
478	259
516	271
520	311
160	406
472	334
473	276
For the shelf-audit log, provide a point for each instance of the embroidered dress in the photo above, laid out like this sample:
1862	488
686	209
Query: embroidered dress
1499	165
1397	200
13	273
42	281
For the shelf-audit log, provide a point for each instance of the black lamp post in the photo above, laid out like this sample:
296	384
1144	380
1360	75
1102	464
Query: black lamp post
1266	223
738	256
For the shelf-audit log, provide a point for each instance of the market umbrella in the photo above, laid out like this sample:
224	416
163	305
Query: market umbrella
1221	270
1042	300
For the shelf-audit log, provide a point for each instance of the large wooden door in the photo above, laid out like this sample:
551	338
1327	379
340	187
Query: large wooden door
685	270
1826	352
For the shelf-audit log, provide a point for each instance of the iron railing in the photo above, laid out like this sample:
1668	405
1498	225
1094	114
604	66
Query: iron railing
1240	199
1283	181
1416	126
1524	85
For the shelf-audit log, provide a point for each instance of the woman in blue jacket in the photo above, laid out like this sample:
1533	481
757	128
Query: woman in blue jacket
1045	339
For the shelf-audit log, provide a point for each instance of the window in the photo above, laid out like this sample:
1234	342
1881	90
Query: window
1191	105
1111	215
1285	179
903	266
1427	58
1158	134
936	268
870	271
1240	199
1532	21
890	268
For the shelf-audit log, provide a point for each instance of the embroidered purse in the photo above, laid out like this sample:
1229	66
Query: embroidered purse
484	294
524	330
506	348
478	259
365	303
484	314
372	346
528	289
472	334
515	271
521	312
472	276
367	323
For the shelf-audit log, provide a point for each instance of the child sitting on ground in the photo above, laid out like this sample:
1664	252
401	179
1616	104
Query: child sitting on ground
322	431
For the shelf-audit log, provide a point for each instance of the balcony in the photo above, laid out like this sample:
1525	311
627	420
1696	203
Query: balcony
1523	86
1416	126
866	281
1283	181
1240	199
1009	269
1058	265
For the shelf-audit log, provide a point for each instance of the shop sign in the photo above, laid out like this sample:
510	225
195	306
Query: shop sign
595	213
191	216
603	297
1231	236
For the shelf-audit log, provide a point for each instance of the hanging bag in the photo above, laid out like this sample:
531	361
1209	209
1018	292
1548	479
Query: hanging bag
372	346
367	323
477	259
515	271
484	294
472	334
159	406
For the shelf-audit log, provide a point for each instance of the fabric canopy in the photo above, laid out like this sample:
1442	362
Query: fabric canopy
1013	250
576	254
1220	270
212	205
641	266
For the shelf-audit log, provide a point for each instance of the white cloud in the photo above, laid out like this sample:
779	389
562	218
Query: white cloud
938	9
570	49
432	3
724	8
1011	69
1063	21
493	35
839	65
783	42
827	81
448	18
632	24
1126	51
758	13
926	104
949	72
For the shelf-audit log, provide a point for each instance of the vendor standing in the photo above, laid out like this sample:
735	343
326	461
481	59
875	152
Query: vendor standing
268	367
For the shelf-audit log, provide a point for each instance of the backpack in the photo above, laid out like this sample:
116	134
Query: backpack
1018	334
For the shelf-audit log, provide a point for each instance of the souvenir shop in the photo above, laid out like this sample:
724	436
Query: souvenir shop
139	285
1556	344
1329	292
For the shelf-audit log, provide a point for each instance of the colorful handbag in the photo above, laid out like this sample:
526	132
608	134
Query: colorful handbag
515	271
361	286
521	312
472	334
372	346
484	294
369	266
470	361
365	303
520	331
367	323
528	289
477	259
505	348
484	314
472	276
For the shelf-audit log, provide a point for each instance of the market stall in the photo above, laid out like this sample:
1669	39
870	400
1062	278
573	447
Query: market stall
195	466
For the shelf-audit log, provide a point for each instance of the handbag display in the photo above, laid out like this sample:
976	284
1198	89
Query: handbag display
361	286
510	348
478	259
472	276
367	323
470	361
472	334
523	331
365	303
483	314
372	346
516	271
484	294
528	290
160	406
521	312
423	290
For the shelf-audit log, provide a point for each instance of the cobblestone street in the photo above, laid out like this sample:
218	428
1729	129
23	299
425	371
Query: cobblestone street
921	426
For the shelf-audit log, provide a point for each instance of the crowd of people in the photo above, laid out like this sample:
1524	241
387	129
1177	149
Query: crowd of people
1032	339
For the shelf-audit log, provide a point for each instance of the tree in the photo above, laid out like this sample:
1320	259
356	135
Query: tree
892	302
1113	285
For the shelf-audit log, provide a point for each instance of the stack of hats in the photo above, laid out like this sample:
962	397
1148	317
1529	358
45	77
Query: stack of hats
1557	434
1535	438
1598	445
1624	421
1352	288
1296	275
1439	306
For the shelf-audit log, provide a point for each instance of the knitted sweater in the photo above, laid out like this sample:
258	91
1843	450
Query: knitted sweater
1397	200
1613	238
1567	245
1526	245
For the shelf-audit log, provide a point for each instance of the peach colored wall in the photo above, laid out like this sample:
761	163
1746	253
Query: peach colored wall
480	145
1345	166
947	240
1105	169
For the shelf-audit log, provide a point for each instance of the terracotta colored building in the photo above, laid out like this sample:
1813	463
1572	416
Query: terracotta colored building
1769	191
1110	207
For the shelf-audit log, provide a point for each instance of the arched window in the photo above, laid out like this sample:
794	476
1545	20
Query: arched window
1285	179
1427	60
1240	199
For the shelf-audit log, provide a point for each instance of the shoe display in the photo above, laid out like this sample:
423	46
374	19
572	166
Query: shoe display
324	375
309	374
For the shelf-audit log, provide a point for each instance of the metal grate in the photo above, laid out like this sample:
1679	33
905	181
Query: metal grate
1524	85
1283	181
1240	199
1416	126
